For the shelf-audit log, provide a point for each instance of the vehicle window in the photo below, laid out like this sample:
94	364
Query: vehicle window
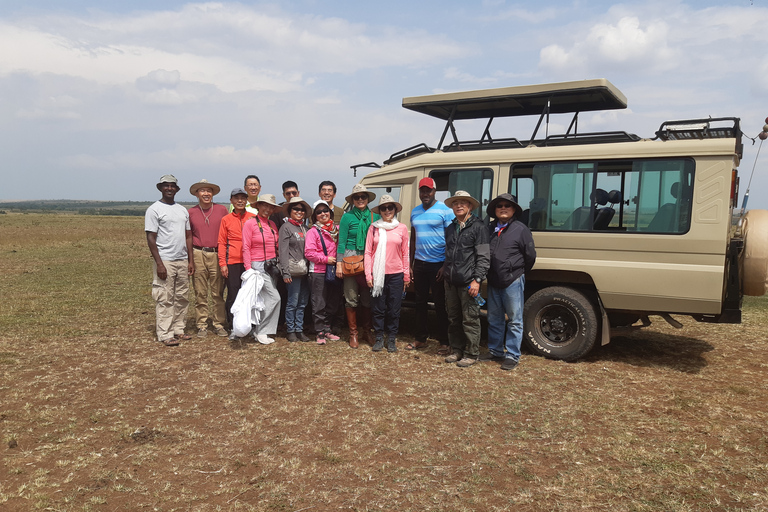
651	196
478	182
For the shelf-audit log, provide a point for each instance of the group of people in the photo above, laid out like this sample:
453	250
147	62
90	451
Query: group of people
278	260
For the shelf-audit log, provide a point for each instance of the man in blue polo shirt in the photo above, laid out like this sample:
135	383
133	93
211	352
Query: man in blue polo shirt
428	223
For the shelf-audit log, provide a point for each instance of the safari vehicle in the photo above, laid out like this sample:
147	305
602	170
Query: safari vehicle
625	227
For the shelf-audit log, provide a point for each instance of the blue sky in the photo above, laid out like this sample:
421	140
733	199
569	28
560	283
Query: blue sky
98	99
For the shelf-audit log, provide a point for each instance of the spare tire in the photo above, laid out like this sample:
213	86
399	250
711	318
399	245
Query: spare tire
754	257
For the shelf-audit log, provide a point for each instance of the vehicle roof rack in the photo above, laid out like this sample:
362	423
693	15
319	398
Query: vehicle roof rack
525	100
710	128
405	153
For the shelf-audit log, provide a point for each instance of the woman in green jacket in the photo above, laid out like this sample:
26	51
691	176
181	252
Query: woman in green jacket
353	230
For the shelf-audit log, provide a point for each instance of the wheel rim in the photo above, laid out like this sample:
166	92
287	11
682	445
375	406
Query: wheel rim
557	325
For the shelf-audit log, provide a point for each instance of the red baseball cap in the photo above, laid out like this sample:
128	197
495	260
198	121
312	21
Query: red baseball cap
427	182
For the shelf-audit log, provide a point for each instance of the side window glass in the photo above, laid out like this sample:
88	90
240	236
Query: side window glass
663	196
523	190
571	196
478	182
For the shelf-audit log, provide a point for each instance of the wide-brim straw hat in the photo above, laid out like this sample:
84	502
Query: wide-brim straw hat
294	201
360	189
168	178
491	209
203	184
267	199
387	199
462	195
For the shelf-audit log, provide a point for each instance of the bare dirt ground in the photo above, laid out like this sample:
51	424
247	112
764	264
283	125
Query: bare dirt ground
96	415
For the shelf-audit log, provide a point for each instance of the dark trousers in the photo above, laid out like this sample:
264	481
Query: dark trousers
320	293
424	280
386	307
233	286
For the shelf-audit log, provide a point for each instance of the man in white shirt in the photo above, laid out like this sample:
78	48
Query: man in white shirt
170	243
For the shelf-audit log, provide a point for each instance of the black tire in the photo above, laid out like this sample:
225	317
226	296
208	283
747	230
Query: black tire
560	323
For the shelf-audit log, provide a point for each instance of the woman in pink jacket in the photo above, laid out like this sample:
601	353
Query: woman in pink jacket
320	245
386	270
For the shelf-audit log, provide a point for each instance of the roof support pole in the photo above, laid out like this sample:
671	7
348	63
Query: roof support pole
574	124
544	113
487	131
448	124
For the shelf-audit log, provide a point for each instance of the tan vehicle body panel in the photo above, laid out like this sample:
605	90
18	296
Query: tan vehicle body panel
640	272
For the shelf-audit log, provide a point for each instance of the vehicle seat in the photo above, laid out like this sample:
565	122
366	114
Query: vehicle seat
664	220
538	213
604	216
580	217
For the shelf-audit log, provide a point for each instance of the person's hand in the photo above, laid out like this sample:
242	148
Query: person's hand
162	273
191	268
474	289
370	283
287	280
439	275
339	271
331	260
224	271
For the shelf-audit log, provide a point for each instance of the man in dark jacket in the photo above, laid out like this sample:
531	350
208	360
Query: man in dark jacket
465	267
512	256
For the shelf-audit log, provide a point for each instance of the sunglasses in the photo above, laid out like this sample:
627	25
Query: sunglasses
387	207
504	205
297	209
321	212
360	197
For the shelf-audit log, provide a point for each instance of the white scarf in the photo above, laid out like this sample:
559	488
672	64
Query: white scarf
380	257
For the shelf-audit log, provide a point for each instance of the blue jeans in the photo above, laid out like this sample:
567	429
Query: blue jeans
297	295
507	301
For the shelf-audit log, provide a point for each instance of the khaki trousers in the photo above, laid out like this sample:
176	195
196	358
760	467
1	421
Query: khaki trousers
171	301
207	277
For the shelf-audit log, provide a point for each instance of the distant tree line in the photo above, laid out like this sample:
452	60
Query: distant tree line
80	207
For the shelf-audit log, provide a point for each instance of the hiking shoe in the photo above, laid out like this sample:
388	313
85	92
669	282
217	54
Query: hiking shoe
490	357
466	362
379	345
391	347
331	337
232	336
509	364
453	357
292	337
220	331
302	336
320	339
263	339
202	333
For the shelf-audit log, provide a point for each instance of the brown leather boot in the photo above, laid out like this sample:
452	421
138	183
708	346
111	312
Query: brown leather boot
365	325
352	322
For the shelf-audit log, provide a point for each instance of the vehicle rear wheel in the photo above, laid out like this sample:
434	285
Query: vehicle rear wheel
560	323
754	259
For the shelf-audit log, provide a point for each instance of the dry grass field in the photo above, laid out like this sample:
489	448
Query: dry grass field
96	415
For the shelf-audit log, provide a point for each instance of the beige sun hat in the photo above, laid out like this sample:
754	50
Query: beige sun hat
168	178
267	199
462	195
387	199
296	200
360	189
203	184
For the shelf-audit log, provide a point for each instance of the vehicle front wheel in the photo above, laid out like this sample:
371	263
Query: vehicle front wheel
560	323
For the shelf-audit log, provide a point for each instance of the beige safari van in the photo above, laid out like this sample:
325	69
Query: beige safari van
625	227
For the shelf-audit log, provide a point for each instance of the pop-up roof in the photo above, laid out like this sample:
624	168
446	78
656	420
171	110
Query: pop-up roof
564	97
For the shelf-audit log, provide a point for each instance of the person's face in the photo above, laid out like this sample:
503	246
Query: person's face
238	202
297	213
253	187
504	211
290	192
387	211
460	208
427	196
360	200
168	190
327	194
205	196
265	210
323	215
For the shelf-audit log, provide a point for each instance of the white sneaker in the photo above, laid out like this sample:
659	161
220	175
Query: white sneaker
264	339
